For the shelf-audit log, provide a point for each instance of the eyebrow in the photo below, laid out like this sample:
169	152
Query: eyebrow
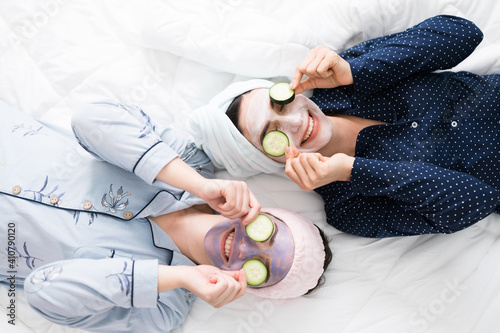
277	218
275	232
264	131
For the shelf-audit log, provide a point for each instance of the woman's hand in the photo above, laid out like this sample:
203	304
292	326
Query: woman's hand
324	68
214	286
232	199
313	170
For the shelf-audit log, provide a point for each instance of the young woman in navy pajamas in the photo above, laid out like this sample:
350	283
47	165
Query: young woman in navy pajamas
408	150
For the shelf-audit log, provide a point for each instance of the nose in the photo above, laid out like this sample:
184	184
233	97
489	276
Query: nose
248	250
291	122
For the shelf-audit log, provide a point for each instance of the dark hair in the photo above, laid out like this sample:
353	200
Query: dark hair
328	259
233	111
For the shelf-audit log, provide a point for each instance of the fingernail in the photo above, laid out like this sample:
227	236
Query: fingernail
287	150
292	86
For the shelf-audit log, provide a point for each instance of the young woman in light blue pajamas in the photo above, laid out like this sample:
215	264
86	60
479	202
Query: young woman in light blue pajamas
110	248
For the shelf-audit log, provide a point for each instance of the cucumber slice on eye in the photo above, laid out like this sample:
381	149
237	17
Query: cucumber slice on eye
255	271
260	229
275	143
280	93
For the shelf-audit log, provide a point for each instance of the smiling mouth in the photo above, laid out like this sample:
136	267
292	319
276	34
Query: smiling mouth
227	244
309	129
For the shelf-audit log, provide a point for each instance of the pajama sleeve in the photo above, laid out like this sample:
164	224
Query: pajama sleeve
106	295
124	135
440	42
387	199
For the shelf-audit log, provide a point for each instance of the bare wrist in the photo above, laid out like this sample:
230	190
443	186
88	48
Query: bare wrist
170	277
200	187
182	176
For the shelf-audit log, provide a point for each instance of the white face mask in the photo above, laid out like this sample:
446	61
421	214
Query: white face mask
307	128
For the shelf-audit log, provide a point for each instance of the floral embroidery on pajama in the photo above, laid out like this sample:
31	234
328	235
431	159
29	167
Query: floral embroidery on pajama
115	203
124	279
39	196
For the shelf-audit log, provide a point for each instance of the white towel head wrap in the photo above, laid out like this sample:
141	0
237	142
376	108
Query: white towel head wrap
214	133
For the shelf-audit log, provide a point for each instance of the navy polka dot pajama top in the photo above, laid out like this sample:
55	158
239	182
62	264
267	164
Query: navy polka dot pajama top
434	167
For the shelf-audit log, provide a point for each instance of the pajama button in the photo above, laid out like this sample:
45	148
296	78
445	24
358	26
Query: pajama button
414	124
127	215
454	124
16	189
87	205
54	199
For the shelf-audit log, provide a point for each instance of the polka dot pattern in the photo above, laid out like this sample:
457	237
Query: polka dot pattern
435	167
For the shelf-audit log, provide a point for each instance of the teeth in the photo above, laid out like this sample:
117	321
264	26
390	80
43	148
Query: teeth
309	130
227	246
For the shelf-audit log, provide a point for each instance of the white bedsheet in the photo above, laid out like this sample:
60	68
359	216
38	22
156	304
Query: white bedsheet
172	56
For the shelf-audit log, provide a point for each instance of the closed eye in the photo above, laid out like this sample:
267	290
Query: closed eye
270	240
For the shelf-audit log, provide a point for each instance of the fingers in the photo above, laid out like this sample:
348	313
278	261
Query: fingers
302	68
242	280
234	274
214	286
315	170
297	77
291	152
240	203
239	276
289	170
321	158
227	288
305	161
324	68
296	172
305	85
236	197
319	66
305	170
254	209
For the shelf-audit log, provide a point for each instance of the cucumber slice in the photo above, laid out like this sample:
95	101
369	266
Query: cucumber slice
275	143
255	271
260	229
280	93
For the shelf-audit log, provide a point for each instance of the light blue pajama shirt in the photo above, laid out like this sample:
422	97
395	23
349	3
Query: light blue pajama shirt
73	228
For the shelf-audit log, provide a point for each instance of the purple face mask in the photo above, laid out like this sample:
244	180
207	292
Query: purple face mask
276	253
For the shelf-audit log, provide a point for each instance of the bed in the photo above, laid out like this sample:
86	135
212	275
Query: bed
171	57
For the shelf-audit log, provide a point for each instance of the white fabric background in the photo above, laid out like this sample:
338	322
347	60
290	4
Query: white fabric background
172	56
